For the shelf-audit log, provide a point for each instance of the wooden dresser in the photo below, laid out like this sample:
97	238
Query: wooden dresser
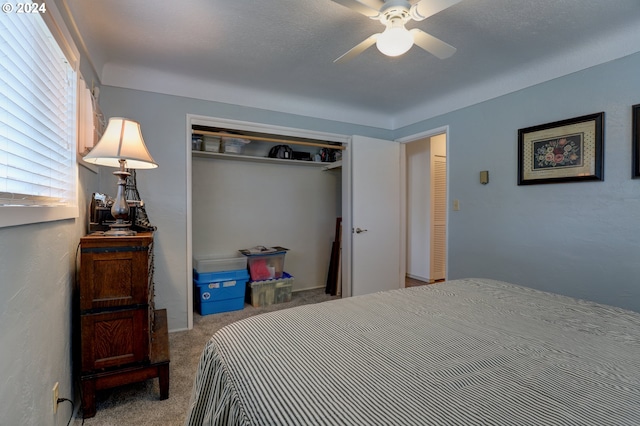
123	339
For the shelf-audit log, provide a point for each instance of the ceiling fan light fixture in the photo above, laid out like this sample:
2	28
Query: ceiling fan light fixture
395	40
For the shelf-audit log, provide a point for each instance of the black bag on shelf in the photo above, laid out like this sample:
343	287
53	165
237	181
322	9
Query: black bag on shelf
281	151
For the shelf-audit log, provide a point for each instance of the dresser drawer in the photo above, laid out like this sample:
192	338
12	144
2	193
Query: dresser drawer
115	338
114	272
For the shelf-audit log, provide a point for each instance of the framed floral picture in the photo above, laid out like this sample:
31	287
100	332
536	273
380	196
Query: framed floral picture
636	142
562	151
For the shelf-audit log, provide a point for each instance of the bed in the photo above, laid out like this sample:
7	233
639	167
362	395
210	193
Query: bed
464	352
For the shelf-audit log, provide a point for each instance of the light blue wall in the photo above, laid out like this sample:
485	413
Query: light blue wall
163	119
580	239
37	266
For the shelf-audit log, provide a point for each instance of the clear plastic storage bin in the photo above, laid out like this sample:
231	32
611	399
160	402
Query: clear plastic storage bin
269	292
203	264
265	264
234	145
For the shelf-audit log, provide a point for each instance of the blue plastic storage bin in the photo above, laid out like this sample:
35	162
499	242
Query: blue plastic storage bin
217	292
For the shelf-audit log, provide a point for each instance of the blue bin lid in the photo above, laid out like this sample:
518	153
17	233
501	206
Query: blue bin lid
204	278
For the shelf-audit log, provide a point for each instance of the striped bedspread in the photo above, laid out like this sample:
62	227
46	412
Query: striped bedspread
465	352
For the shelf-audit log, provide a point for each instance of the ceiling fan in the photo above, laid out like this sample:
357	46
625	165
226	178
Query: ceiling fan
396	39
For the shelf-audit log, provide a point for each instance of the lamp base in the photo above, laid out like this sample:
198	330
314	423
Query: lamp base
120	208
119	230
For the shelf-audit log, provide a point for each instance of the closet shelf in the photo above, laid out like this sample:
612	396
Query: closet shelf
331	166
265	139
235	157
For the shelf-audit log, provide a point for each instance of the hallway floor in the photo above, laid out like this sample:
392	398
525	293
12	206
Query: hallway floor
412	282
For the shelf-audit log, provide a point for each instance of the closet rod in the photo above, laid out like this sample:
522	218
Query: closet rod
273	140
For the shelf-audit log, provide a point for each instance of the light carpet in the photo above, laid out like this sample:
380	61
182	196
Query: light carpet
138	404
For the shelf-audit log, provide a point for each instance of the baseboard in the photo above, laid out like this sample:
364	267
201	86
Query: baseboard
308	288
419	278
175	330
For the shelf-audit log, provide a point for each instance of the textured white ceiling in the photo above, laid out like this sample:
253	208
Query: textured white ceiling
278	54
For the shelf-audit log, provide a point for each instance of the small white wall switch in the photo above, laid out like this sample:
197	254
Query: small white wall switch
456	205
484	177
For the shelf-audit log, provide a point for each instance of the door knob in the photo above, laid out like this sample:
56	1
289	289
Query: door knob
360	231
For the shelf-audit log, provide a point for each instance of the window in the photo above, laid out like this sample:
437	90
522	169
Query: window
38	117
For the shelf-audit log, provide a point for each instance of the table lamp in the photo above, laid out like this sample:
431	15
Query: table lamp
120	145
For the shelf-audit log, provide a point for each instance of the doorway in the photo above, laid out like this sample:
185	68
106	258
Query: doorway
426	208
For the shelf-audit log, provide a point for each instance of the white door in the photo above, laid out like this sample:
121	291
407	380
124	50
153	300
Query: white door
375	184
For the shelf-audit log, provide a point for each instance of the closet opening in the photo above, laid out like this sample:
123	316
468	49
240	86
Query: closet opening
243	197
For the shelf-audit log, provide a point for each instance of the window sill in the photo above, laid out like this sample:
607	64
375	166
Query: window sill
24	215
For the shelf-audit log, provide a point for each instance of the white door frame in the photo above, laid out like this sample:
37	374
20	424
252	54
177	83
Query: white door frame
403	193
192	119
347	221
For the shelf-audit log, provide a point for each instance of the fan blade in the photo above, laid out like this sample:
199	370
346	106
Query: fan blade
366	10
374	4
433	45
358	49
425	8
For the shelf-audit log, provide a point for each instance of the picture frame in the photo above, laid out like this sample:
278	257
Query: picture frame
563	151
635	141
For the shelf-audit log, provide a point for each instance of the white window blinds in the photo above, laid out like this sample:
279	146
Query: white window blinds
37	115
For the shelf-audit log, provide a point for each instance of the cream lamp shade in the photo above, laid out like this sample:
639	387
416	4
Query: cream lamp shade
121	144
122	140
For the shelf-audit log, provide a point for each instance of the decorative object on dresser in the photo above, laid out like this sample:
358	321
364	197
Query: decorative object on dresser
121	145
123	339
100	209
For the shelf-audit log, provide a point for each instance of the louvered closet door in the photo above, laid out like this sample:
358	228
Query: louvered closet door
439	217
